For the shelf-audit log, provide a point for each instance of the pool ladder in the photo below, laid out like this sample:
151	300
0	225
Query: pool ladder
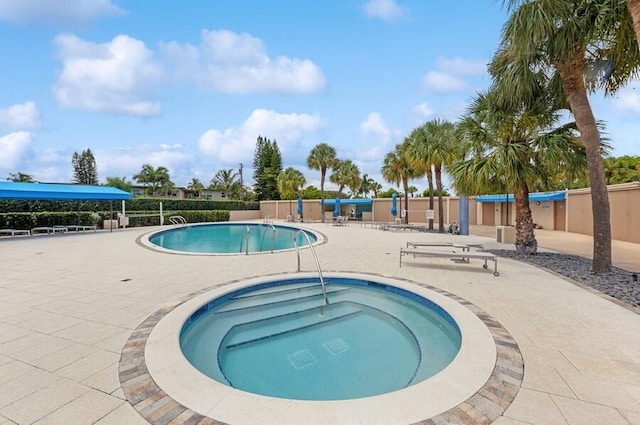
178	220
248	235
315	258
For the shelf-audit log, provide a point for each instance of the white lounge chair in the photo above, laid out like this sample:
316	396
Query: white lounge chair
463	256
49	230
14	232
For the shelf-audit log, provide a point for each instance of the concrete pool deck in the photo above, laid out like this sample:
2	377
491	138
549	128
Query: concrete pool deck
69	304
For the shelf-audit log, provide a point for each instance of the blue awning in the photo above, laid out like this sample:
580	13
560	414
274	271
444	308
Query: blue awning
349	201
57	192
538	196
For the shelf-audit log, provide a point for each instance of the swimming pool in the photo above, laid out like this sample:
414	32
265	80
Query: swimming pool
280	339
174	375
230	238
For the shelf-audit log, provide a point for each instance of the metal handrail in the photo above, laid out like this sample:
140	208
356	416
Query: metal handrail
178	220
246	241
315	258
273	237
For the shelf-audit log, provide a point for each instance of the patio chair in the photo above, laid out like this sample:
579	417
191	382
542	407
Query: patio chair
14	232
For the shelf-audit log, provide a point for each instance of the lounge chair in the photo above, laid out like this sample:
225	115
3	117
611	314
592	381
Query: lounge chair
14	232
78	228
50	230
462	257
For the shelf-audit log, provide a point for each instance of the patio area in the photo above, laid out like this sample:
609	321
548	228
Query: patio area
69	304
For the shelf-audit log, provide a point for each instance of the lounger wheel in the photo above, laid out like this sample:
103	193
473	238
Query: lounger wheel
496	274
484	266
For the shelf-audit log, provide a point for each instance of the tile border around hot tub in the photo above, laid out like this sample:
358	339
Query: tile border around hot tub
484	407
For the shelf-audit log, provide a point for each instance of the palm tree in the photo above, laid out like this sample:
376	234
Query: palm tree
154	178
397	169
513	149
634	10
432	147
582	46
226	181
20	177
290	182
366	186
346	173
196	186
322	156
376	188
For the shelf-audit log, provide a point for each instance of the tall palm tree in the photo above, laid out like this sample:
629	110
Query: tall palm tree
346	173
322	157
513	149
433	146
196	186
397	169
582	46
634	10
226	181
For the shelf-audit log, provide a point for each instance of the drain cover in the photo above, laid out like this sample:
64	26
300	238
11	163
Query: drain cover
301	359
336	346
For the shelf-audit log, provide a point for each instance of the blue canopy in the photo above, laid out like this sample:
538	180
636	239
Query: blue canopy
56	192
394	205
299	206
538	196
336	209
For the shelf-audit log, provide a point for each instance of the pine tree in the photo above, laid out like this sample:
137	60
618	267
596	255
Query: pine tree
84	168
267	165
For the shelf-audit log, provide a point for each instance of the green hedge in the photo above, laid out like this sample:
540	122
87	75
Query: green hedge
37	219
30	220
135	204
189	216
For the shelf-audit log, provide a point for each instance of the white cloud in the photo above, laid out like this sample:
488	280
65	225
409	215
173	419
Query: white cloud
423	111
384	9
237	144
229	62
374	124
461	66
112	77
13	147
22	116
441	82
627	101
123	162
56	12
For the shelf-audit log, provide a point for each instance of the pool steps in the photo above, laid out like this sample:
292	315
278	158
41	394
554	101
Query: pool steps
277	298
254	331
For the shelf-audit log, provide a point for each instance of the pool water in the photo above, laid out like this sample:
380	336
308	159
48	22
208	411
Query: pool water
279	339
230	238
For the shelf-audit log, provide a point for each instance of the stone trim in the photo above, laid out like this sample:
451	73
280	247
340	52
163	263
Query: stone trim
485	406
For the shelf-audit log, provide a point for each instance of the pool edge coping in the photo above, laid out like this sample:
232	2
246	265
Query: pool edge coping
485	406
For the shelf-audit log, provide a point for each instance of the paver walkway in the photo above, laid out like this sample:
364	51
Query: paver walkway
68	304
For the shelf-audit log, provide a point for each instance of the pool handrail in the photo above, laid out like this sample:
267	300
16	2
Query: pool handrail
246	241
315	258
178	220
273	237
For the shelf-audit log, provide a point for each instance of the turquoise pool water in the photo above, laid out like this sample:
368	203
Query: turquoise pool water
279	339
230	238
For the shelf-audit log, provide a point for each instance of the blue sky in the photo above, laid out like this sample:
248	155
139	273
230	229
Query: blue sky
191	85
